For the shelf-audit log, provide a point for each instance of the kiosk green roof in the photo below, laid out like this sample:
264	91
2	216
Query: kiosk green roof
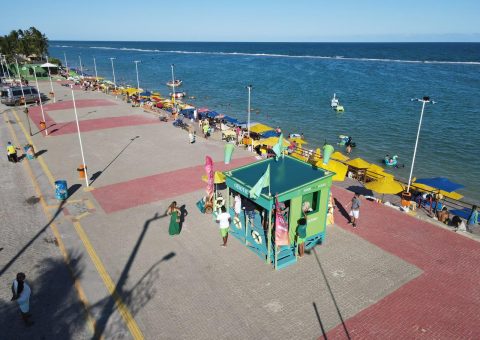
287	176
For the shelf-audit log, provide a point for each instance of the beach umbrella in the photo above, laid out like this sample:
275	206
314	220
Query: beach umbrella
270	142
385	186
269	133
49	65
337	155
146	94
440	183
338	168
260	128
297	140
358	163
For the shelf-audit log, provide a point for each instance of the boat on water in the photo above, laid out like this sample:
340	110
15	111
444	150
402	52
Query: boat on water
335	104
175	83
178	94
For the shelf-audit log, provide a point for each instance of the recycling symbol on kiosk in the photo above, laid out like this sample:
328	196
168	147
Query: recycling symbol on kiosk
237	223
256	237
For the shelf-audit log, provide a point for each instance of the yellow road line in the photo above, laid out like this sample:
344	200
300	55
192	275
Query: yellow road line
30	141
107	280
80	292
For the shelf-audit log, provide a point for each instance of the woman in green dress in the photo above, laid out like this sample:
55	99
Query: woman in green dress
174	212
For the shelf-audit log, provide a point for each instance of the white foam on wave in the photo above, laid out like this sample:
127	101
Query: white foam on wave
273	55
64	46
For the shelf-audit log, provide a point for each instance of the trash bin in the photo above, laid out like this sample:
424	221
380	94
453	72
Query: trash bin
61	190
81	171
28	150
406	198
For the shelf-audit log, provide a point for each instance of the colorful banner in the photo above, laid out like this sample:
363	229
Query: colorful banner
209	171
228	152
263	182
281	226
278	148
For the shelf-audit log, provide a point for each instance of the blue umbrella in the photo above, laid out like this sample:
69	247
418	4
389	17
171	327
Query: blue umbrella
440	183
270	133
146	94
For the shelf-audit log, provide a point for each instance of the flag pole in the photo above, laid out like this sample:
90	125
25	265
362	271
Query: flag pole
269	235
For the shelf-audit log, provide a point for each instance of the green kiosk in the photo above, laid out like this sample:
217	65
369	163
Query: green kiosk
301	188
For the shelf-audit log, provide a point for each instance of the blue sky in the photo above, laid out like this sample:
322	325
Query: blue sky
248	20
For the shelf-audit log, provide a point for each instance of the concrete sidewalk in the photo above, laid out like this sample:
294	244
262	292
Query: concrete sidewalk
142	283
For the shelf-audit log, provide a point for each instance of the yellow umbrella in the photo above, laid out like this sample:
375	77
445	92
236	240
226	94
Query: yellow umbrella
218	177
339	156
358	163
259	128
297	140
338	168
385	186
423	187
377	172
375	168
271	141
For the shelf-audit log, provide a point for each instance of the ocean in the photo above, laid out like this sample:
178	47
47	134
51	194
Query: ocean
293	84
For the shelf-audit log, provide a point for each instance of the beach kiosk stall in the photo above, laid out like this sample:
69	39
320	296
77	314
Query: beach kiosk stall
294	187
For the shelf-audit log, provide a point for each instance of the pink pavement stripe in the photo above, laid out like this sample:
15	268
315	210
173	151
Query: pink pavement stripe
57	129
442	303
139	191
100	124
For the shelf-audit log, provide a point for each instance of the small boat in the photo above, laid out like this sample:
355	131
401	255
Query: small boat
177	83
178	94
334	103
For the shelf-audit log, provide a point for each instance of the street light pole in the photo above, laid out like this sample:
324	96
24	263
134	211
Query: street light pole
424	100
81	66
136	69
80	138
113	71
51	85
40	99
24	100
249	87
173	85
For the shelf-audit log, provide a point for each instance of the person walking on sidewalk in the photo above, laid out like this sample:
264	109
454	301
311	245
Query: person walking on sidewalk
355	210
12	153
224	220
174	212
21	294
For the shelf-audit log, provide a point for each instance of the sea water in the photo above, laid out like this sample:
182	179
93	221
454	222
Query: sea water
293	84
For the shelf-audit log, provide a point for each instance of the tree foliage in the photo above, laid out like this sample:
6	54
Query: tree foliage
24	42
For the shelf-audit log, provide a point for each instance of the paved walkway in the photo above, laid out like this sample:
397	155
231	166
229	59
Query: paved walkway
393	277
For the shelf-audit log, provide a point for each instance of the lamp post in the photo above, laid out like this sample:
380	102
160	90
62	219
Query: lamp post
24	101
113	71
173	85
136	69
51	85
81	66
424	101
80	138
249	87
95	68
40	99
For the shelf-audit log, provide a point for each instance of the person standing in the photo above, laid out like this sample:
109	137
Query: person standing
174	212
331	206
12	152
237	205
355	210
224	219
301	235
472	222
21	294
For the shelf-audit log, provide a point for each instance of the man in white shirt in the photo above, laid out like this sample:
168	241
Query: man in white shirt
224	220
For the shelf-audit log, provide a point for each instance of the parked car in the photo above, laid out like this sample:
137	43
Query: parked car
13	95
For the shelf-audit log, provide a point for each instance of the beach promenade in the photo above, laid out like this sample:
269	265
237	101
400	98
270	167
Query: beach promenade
102	263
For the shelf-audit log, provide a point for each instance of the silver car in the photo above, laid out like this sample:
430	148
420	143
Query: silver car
13	95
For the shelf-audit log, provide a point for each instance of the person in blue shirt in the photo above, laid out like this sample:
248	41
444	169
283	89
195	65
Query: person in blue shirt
472	222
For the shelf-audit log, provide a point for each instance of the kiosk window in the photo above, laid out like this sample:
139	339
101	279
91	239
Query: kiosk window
311	201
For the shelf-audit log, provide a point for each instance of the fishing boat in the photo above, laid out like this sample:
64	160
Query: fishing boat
175	83
334	103
178	94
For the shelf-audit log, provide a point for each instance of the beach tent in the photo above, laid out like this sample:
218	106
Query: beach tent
259	128
298	185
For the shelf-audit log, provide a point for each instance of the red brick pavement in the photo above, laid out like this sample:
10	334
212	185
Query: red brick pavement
139	191
57	129
442	303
